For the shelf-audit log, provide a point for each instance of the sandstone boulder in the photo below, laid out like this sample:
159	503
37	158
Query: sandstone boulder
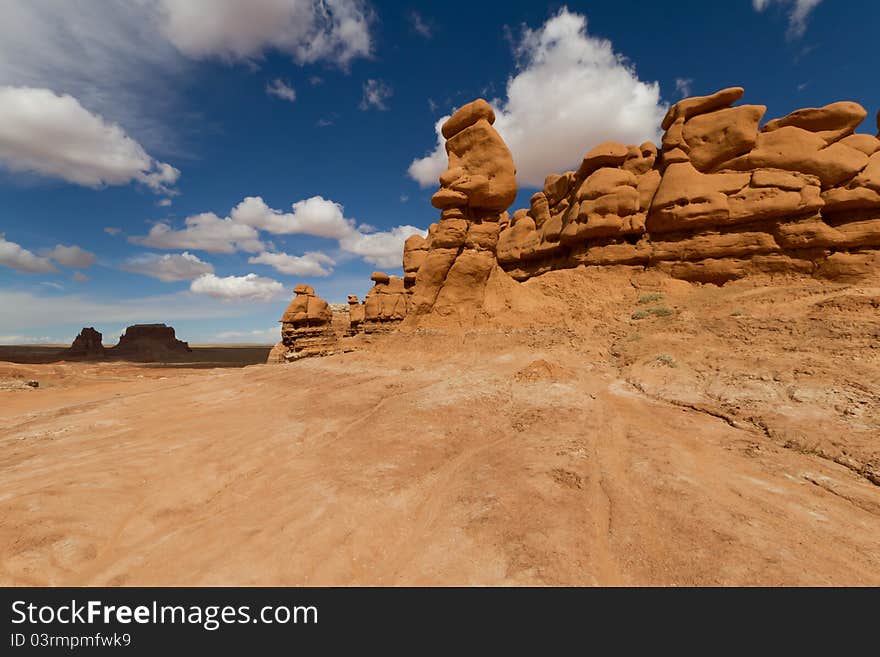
831	123
696	105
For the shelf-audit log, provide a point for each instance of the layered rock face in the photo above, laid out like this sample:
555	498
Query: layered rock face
385	306
88	344
452	266
721	199
149	342
306	327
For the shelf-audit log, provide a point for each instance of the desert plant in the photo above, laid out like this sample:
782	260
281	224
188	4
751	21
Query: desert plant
657	311
651	297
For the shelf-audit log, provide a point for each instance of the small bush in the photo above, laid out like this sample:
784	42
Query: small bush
657	311
649	298
667	360
737	313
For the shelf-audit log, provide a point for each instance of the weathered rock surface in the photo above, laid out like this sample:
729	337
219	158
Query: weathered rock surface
723	197
86	345
386	304
306	326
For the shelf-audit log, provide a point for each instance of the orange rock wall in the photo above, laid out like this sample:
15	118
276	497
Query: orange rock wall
723	197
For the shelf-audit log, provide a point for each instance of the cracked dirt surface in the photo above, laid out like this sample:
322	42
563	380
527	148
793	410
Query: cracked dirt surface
731	441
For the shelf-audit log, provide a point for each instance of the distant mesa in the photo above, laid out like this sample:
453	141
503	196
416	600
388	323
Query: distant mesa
87	345
139	342
149	342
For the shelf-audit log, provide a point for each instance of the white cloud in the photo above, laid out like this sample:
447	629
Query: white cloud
313	263
268	336
322	217
316	80
109	54
237	288
79	277
53	135
571	92
684	86
168	267
376	93
112	230
383	249
798	15
163	203
313	216
53	285
420	25
204	232
14	256
281	89
309	31
71	256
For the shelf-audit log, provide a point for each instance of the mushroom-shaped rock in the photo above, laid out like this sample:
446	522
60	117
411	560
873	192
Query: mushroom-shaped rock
466	116
306	326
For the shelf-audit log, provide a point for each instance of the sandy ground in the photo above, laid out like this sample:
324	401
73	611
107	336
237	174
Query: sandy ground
734	439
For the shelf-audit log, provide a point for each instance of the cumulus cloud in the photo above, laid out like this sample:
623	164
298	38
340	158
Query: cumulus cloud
383	249
313	263
169	267
204	232
322	217
237	288
15	256
281	89
376	93
313	216
71	256
53	135
798	13
331	30
571	91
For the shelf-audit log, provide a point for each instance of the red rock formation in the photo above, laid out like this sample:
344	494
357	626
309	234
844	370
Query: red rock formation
453	265
86	345
722	199
305	327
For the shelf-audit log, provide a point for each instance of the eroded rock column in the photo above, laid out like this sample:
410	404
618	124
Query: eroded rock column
479	184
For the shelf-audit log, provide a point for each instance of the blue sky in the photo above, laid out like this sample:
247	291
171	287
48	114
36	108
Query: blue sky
122	121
